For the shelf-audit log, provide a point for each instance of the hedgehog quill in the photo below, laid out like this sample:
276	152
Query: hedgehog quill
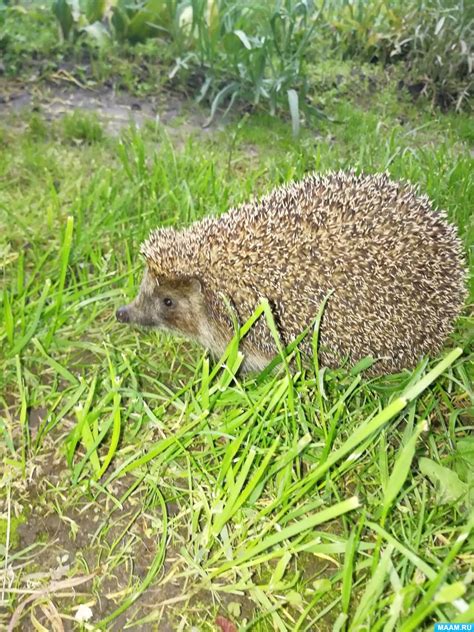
393	267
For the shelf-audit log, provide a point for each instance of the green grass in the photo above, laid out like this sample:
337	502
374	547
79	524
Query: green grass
82	128
301	499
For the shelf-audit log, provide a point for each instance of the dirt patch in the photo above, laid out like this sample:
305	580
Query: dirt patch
75	546
115	110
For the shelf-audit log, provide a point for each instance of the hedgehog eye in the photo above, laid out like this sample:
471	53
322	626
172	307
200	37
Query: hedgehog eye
168	302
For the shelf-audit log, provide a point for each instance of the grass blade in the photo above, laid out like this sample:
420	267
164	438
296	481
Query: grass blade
294	111
35	322
289	532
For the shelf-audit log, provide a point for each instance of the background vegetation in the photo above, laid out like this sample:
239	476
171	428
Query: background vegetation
263	52
141	481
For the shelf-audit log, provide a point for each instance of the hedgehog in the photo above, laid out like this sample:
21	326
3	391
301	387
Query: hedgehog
389	266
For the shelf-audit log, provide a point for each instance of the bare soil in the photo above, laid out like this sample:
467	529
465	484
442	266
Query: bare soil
116	110
67	536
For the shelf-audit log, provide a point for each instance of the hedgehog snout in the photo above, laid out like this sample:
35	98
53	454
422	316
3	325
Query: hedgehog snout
122	314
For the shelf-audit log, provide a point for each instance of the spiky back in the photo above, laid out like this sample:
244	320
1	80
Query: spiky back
394	263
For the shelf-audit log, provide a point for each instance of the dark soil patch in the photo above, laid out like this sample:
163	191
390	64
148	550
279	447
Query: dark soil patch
66	535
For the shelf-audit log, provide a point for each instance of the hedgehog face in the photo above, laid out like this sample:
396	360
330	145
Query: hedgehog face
171	304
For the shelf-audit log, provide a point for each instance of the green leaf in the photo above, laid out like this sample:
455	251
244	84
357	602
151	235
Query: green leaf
464	458
450	592
449	485
8	317
294	111
401	468
279	571
63	12
59	368
145	22
64	263
95	10
35	322
243	38
362	365
120	22
346	589
373	590
414	390
116	431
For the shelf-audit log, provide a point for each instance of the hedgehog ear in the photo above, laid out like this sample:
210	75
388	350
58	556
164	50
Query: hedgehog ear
196	284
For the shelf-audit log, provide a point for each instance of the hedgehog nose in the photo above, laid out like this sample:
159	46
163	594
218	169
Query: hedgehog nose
122	315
